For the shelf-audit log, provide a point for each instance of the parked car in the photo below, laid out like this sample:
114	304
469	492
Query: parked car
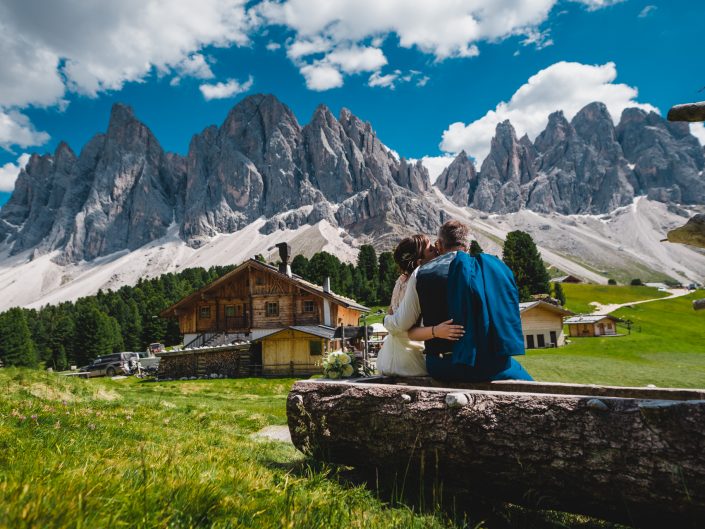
110	365
148	360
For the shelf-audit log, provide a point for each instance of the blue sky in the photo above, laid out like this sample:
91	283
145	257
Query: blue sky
454	66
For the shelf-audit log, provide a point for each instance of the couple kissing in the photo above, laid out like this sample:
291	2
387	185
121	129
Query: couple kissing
453	316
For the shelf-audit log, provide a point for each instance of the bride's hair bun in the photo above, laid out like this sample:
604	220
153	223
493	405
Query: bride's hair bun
409	251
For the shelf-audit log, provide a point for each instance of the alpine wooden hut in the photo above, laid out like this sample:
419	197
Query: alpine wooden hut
592	325
542	324
289	321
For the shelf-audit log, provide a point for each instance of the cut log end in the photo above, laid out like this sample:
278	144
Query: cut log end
692	112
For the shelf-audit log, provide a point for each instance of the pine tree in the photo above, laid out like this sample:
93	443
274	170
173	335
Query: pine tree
523	258
558	293
388	275
299	266
367	262
93	335
16	345
475	248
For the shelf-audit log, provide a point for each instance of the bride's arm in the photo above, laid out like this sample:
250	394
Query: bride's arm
408	312
444	330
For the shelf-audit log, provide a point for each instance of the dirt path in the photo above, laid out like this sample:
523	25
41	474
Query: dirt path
606	309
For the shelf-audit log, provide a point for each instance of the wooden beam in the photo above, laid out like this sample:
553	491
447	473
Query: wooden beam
689	112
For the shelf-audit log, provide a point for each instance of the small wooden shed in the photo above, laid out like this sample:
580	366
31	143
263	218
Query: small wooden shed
592	325
295	350
542	324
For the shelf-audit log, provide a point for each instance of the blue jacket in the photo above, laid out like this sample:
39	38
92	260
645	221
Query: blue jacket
483	297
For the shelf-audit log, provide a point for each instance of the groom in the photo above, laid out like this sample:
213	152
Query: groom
477	292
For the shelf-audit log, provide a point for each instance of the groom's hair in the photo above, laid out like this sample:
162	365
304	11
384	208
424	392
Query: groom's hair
453	233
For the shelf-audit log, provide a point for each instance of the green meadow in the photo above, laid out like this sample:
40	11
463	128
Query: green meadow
666	346
579	296
104	453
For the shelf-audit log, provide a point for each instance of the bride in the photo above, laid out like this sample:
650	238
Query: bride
402	353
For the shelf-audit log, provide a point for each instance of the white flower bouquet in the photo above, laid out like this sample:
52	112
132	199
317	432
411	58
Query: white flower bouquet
339	364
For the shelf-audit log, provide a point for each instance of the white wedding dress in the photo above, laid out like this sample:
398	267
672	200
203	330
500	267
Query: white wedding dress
400	356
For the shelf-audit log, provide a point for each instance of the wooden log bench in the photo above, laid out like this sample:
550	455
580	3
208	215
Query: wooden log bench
632	455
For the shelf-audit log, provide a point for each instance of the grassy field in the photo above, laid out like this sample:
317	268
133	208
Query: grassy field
579	296
123	453
666	348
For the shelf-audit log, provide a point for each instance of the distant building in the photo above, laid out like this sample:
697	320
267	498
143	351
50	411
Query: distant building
289	321
542	324
592	325
566	279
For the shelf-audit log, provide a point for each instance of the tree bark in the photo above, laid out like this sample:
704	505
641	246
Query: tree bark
639	461
689	112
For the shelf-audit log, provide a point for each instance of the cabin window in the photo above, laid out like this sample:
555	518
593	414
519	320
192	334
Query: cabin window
315	347
259	280
272	308
309	306
229	311
529	341
204	312
554	339
541	339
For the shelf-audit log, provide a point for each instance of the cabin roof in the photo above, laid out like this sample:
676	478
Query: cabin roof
591	318
523	307
566	279
321	331
297	280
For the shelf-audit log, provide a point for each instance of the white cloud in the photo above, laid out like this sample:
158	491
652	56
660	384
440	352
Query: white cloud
390	80
540	39
647	11
436	165
16	129
593	5
383	81
356	59
195	66
566	86
230	88
698	130
273	46
442	28
9	172
321	76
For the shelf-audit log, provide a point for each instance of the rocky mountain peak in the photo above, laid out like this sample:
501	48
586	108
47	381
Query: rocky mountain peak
458	181
594	124
557	131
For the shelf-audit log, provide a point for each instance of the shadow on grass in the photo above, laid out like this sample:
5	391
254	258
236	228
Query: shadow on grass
458	506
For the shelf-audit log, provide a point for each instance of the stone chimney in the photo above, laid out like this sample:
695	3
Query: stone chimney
284	254
326	285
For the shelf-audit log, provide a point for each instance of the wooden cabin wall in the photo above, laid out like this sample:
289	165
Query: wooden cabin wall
289	350
537	320
345	316
252	289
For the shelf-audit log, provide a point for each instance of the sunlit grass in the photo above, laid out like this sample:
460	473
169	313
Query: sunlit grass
579	296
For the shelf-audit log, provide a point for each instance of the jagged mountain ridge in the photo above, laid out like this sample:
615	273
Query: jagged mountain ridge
585	166
123	190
